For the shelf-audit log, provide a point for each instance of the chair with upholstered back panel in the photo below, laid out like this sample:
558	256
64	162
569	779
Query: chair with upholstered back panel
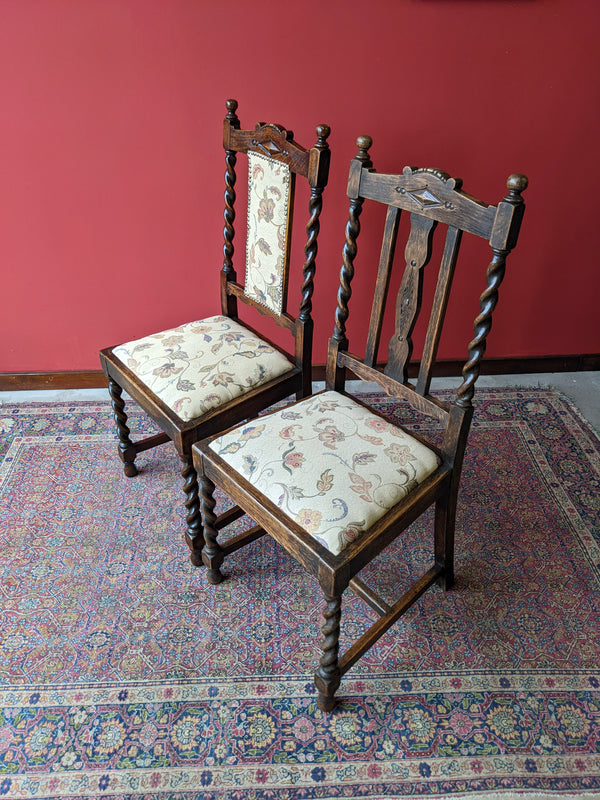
203	376
329	477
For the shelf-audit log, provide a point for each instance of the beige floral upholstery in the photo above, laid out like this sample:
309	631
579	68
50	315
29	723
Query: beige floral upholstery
201	365
268	222
329	463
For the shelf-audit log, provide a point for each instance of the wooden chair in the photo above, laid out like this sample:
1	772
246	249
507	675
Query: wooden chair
204	376
332	480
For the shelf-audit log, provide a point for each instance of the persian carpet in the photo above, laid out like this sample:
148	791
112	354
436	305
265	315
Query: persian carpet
124	674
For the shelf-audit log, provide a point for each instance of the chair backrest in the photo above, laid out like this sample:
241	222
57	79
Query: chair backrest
433	199
274	161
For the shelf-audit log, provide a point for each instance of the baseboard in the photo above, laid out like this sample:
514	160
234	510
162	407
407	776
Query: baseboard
95	379
504	366
29	381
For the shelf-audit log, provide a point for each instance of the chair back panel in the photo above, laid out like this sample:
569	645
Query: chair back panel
433	201
274	162
270	192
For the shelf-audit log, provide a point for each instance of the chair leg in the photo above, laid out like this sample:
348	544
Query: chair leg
193	533
127	451
445	518
212	555
328	675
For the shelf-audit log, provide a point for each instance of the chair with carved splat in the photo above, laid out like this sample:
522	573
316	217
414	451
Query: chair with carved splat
328	477
203	376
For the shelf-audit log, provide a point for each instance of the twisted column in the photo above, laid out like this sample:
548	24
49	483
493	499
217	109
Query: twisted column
347	272
482	326
229	214
328	675
192	506
504	237
315	205
361	160
212	555
127	450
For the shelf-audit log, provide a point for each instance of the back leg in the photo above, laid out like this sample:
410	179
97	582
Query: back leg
212	555
445	519
193	520
127	451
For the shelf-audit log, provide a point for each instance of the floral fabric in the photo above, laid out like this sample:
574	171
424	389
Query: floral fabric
268	219
201	365
330	464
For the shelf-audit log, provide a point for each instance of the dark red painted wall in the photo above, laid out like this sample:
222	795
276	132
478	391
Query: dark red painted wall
111	171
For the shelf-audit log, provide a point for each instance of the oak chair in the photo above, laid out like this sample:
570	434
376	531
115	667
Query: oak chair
204	376
332	480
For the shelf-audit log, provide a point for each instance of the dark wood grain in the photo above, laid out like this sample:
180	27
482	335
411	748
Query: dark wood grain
408	301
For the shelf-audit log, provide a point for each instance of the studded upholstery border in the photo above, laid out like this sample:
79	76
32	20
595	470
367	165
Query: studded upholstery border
268	223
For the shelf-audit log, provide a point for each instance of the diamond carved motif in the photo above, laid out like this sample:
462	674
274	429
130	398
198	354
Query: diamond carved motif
425	198
270	147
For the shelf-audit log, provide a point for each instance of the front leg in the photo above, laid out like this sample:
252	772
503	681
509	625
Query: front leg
328	675
212	555
127	450
193	533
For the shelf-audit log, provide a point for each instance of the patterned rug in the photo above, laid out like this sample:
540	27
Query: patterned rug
123	674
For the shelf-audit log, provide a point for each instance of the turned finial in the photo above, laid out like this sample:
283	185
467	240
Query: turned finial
322	132
231	108
364	142
516	184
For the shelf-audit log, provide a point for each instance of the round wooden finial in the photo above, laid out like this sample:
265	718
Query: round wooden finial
232	106
364	142
517	183
323	131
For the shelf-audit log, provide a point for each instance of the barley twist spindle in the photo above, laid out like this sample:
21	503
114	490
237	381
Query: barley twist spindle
315	205
328	674
350	248
213	554
487	303
126	447
192	506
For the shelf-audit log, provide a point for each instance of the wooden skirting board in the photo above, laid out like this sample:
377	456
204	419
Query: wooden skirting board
93	379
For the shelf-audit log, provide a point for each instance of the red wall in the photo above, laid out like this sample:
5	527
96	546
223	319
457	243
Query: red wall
111	167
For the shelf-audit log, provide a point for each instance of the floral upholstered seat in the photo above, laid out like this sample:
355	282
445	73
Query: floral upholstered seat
201	365
329	463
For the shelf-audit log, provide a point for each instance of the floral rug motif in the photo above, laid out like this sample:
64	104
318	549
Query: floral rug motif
124	674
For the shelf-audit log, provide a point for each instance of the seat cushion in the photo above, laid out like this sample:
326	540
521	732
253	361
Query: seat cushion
330	464
202	365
